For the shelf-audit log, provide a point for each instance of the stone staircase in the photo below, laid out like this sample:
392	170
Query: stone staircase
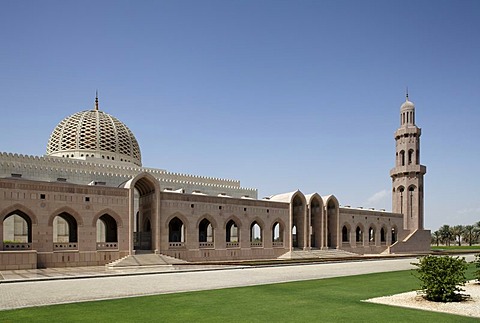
316	253
146	259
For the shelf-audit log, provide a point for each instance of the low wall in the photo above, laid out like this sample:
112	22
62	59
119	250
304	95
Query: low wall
14	260
77	258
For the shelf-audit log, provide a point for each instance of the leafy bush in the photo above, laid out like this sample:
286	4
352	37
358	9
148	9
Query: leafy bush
477	265
441	277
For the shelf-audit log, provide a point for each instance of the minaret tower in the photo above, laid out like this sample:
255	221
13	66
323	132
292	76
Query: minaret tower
407	176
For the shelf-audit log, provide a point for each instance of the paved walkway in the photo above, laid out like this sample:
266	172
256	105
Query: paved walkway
48	292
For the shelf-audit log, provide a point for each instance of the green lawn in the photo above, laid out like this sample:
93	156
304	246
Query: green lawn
326	300
456	247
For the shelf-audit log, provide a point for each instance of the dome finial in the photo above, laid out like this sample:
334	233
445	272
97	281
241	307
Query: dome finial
96	100
406	93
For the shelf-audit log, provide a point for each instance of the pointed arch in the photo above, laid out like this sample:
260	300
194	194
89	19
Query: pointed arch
210	218
110	212
179	215
235	219
65	209
20	208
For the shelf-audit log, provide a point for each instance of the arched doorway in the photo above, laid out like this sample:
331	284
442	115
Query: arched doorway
298	225
332	221
144	212
316	222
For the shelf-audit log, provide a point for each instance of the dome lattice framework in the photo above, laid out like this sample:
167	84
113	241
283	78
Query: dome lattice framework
94	133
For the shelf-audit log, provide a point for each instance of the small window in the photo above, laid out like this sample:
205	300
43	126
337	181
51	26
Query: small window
192	206
16	175
42	196
87	198
245	209
220	207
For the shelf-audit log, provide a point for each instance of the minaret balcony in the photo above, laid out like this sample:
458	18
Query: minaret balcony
408	169
408	130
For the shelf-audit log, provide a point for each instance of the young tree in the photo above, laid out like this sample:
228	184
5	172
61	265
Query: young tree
457	232
441	277
446	234
470	234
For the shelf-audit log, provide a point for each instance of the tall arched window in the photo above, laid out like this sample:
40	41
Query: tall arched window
277	234
345	235
106	229
255	234
232	233
205	231
410	156
371	235
65	228
383	237
358	235
176	230
394	235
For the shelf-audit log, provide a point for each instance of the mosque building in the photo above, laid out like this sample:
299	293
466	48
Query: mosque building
89	201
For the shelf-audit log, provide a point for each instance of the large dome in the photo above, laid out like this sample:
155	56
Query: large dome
94	133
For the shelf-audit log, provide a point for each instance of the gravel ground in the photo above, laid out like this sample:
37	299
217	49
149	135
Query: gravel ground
470	307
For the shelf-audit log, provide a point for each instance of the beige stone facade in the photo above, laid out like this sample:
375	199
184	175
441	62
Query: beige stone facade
90	202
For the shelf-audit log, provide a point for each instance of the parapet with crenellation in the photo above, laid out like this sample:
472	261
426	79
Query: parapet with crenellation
109	173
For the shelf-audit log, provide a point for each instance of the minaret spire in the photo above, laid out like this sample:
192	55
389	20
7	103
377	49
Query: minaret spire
96	100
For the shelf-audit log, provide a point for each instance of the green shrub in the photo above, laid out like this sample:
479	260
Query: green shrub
442	277
477	265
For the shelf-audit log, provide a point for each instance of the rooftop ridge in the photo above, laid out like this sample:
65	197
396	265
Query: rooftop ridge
109	170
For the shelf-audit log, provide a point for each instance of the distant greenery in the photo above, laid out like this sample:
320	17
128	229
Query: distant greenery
442	277
458	234
325	300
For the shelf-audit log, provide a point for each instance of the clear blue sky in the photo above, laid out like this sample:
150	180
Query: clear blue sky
282	95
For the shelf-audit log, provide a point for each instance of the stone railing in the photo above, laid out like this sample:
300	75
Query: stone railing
58	246
277	244
233	244
107	246
206	245
176	245
256	244
15	246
